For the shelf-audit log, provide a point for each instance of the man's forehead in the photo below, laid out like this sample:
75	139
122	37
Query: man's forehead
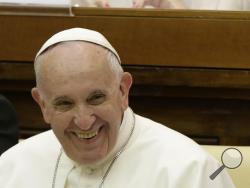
74	57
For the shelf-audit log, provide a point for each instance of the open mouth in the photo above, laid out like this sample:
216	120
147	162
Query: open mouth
87	134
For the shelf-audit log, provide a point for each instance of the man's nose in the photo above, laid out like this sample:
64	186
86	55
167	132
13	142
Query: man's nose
84	120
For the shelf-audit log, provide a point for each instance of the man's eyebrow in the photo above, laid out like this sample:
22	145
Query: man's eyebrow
59	99
98	91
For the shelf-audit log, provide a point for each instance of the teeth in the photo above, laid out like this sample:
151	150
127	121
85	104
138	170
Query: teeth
86	135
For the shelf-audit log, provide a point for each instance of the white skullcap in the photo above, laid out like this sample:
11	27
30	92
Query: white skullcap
78	34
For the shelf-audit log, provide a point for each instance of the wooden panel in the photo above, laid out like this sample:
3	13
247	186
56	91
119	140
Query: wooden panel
191	77
200	39
148	75
37	10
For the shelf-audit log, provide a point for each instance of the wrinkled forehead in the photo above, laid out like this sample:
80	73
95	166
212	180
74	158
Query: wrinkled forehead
73	54
71	63
74	48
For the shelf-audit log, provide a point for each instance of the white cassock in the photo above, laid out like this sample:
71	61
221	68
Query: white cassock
155	157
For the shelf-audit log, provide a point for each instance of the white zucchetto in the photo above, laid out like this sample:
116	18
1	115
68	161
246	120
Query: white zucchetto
78	34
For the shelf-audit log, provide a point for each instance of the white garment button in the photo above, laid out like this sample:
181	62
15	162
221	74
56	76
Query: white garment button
89	170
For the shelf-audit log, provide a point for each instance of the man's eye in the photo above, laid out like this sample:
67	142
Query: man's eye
96	99
63	105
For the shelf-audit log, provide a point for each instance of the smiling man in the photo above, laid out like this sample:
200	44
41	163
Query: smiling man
83	102
96	139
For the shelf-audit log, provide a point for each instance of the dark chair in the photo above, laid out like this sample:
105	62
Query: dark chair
9	128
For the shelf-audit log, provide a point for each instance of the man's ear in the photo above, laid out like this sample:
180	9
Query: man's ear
125	85
37	97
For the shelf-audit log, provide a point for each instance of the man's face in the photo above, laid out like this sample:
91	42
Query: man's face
81	99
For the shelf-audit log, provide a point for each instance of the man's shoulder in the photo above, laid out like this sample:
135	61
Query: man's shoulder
42	144
169	148
168	141
156	130
33	158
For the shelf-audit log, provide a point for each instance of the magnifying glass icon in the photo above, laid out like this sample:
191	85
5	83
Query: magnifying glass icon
231	158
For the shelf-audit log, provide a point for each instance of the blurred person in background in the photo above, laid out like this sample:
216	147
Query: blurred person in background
235	5
175	4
